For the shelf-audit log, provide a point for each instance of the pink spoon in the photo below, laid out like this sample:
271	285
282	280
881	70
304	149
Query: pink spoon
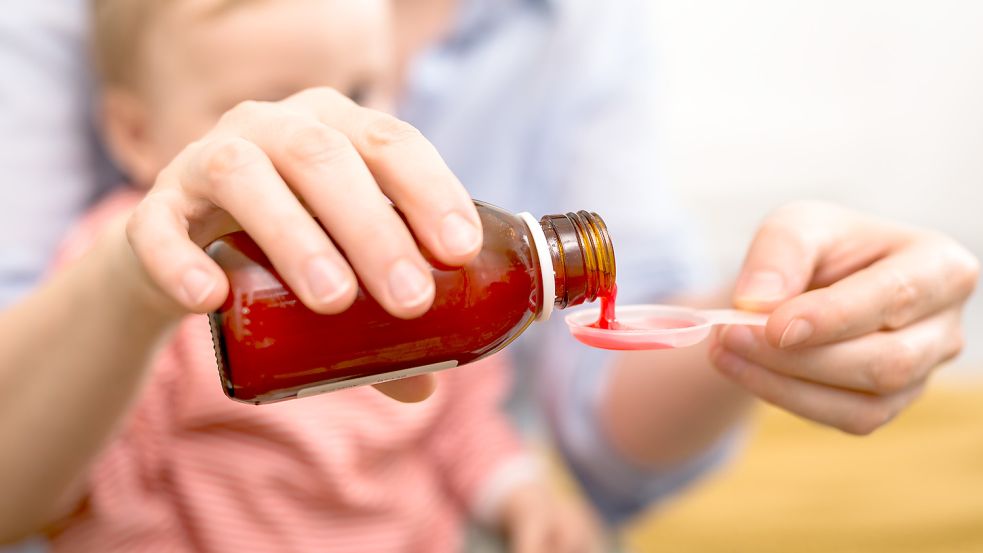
646	327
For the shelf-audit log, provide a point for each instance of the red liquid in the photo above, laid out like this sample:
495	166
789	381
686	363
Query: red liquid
618	341
614	342
608	319
270	346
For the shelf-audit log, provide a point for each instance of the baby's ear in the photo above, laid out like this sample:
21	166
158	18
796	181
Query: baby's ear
124	121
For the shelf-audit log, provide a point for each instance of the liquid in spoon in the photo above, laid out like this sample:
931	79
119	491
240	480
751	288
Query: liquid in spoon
608	321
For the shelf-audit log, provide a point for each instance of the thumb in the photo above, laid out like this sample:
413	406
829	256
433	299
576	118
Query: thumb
780	262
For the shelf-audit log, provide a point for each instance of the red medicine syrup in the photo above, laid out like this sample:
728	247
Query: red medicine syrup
626	342
608	320
270	347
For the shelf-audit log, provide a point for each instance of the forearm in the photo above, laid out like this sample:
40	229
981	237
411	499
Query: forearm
661	408
71	359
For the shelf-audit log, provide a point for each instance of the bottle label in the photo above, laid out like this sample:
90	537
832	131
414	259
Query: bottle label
375	379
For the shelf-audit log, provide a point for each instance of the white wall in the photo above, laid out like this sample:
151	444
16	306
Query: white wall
873	103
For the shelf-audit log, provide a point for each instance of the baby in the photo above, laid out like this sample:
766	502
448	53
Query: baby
350	471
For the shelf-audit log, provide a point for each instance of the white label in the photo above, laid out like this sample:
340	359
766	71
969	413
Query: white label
375	379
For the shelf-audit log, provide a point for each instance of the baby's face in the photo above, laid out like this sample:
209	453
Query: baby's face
200	62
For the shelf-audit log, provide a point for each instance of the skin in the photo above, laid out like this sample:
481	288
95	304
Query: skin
882	300
862	311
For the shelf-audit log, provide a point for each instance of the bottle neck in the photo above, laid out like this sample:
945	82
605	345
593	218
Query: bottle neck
582	256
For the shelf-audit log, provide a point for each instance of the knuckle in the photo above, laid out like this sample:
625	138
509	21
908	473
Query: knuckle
247	110
135	222
776	224
318	144
954	346
787	228
808	222
802	210
393	242
868	419
384	131
795	208
227	157
894	369
960	267
966	271
320	94
145	221
973	267
902	306
172	172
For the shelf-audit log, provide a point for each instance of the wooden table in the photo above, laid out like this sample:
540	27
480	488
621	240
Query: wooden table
914	486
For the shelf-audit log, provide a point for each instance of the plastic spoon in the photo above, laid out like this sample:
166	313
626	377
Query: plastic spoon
645	327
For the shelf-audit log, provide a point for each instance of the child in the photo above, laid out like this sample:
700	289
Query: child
189	469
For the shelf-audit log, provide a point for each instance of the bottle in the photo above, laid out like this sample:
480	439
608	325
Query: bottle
270	347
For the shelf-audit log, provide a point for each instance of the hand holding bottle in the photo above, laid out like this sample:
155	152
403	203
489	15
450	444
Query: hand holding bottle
270	168
862	311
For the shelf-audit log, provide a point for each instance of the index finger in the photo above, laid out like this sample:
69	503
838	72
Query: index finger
908	285
800	245
409	171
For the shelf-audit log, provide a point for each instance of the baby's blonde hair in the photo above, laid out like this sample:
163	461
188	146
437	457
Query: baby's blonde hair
119	28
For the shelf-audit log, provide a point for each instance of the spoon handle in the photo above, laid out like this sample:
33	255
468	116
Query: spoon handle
735	317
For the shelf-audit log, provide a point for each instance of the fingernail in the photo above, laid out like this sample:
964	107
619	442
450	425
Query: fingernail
408	285
797	331
460	236
762	287
738	339
327	282
196	285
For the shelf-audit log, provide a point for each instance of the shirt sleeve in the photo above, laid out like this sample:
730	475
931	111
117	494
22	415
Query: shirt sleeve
618	488
49	158
600	151
474	444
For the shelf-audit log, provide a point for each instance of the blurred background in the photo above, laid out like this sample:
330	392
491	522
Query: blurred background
877	104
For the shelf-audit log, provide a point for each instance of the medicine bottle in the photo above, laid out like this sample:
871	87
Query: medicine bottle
270	347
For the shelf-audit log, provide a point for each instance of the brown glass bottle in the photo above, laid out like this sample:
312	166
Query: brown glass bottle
270	347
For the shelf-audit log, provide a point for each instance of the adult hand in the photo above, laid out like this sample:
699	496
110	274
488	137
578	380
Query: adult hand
270	168
862	311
